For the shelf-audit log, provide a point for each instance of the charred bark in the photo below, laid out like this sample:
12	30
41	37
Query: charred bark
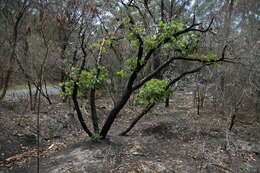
144	112
79	113
93	110
13	53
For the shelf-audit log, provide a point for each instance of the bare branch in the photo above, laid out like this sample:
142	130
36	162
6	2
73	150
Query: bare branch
157	70
148	9
152	74
204	30
173	81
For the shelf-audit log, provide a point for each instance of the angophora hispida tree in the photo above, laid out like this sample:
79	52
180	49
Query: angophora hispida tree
145	40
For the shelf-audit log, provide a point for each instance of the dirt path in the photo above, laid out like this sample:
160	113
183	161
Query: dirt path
21	93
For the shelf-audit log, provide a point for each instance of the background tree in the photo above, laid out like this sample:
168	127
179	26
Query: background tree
12	14
233	82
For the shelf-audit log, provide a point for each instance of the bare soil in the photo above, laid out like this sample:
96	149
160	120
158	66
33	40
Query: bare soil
172	140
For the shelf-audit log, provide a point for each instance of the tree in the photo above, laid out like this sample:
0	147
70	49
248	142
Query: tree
235	85
174	36
12	13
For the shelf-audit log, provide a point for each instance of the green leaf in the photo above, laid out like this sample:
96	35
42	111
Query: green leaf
153	91
95	45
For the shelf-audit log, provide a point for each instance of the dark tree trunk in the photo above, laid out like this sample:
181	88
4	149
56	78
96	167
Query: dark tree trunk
171	9
13	53
79	113
222	83
7	78
147	109
64	45
30	95
162	11
75	88
62	79
93	110
232	122
167	102
257	104
35	99
127	93
46	93
198	106
113	114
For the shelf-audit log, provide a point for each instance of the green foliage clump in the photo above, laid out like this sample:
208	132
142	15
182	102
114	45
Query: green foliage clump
174	26
96	137
210	56
129	67
68	88
131	63
178	26
95	45
69	85
150	42
104	47
126	21
131	37
165	31
86	80
153	91
165	35
122	73
90	79
188	44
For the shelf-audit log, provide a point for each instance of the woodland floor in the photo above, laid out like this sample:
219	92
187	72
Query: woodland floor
172	140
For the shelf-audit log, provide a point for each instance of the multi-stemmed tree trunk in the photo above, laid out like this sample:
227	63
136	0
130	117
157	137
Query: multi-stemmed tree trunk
132	85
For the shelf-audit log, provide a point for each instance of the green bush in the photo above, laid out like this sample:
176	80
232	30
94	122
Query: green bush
153	91
87	80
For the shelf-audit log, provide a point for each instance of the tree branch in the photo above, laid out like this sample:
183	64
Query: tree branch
144	112
170	60
152	74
